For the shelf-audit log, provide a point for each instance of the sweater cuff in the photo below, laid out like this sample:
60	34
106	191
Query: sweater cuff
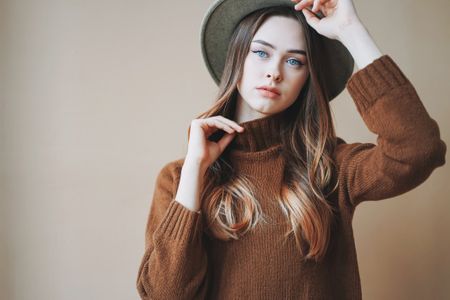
374	80
180	224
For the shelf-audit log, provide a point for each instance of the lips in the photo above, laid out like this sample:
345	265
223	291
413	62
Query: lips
270	89
268	94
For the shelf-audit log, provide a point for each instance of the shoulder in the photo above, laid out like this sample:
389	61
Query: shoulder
173	166
169	174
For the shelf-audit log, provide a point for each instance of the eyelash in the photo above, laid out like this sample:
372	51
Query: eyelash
299	62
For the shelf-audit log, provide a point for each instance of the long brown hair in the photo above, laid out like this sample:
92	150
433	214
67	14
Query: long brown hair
228	201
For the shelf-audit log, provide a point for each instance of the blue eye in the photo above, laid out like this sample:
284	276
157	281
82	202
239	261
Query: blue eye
259	51
297	62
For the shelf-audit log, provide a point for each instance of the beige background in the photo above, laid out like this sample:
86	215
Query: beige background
96	97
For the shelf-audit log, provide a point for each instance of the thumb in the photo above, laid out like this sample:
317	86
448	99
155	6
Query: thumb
311	18
225	140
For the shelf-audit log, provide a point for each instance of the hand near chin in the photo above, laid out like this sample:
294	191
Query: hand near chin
333	16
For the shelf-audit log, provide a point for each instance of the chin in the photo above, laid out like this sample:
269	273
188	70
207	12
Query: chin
265	106
265	110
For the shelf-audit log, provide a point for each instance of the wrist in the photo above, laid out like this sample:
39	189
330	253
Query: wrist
194	166
360	44
351	31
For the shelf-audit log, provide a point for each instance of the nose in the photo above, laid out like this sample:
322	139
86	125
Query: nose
274	74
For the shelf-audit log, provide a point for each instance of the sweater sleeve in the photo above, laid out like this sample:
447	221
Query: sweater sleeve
174	264
408	147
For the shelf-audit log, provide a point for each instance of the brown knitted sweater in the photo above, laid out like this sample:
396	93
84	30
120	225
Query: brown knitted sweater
181	262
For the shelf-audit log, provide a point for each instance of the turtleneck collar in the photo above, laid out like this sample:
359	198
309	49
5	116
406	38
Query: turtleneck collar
260	134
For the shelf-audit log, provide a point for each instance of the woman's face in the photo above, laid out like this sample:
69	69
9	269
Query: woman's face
277	58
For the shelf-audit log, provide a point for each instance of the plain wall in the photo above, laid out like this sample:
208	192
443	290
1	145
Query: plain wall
96	96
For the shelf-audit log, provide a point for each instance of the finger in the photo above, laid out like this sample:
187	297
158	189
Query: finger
203	125
231	127
213	122
310	18
326	5
225	140
331	3
303	3
316	6
231	123
319	5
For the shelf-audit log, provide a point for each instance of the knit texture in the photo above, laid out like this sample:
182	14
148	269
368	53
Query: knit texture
181	262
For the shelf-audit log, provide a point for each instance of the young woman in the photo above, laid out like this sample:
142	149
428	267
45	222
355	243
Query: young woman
261	206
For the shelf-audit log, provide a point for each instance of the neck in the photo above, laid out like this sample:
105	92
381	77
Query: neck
261	133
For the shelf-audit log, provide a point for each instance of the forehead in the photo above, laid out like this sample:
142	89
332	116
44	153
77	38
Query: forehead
281	31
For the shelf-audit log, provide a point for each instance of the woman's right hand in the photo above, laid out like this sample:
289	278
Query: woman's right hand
204	152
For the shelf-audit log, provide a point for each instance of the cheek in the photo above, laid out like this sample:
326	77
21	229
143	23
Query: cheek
301	82
298	84
251	67
247	79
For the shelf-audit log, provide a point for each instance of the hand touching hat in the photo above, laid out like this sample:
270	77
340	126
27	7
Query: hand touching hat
337	15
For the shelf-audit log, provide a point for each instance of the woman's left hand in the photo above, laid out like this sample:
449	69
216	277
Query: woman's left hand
338	15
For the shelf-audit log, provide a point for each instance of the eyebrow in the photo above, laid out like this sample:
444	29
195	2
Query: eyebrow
302	52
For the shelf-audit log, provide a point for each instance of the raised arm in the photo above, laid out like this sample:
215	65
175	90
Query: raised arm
408	147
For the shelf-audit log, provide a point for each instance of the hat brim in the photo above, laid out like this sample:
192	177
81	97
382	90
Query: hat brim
222	18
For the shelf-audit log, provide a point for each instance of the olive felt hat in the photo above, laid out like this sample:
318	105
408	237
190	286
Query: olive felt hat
221	20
